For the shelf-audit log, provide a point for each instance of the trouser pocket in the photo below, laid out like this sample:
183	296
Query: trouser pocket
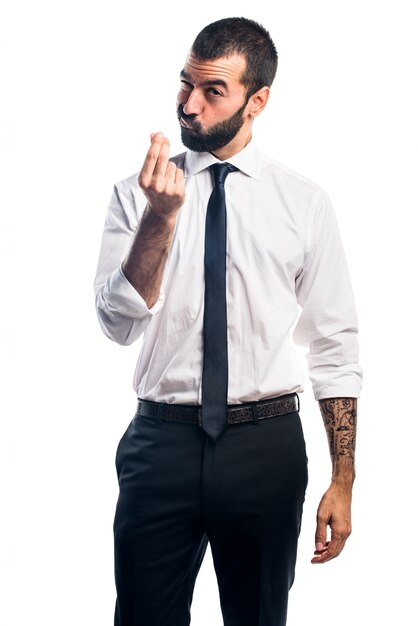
120	445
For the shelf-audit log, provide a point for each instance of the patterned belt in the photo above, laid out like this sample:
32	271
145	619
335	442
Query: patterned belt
237	413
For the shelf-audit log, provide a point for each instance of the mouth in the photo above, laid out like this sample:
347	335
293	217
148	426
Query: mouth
184	124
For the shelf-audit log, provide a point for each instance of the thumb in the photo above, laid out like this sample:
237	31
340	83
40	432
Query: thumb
320	534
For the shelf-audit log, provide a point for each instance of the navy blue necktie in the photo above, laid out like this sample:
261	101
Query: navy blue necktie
215	349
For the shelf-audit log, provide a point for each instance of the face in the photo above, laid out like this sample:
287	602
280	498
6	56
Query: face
211	102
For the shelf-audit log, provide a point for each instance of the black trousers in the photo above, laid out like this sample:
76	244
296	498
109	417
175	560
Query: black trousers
178	490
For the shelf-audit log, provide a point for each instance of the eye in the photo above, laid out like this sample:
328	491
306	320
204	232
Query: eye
214	92
185	86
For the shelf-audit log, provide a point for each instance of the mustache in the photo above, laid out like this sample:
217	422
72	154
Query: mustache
188	118
184	115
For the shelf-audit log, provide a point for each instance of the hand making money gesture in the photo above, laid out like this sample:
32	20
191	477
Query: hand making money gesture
160	179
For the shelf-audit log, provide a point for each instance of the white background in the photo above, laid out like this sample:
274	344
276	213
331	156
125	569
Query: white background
86	82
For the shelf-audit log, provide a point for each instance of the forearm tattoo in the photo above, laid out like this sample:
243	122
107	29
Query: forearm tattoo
340	420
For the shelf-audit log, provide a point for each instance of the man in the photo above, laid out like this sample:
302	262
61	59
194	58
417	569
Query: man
207	256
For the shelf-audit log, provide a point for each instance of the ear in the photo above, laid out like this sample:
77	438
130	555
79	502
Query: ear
258	101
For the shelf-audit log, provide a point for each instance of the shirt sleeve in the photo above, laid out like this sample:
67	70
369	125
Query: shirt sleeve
122	312
328	323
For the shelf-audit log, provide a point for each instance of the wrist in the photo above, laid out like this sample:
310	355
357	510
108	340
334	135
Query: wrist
165	218
343	472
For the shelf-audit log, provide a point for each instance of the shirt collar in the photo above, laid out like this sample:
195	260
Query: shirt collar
248	160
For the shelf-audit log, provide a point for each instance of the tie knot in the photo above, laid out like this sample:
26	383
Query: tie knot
221	171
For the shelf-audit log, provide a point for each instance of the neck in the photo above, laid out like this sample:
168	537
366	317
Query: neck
236	145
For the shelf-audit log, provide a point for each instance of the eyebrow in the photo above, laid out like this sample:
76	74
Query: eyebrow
214	81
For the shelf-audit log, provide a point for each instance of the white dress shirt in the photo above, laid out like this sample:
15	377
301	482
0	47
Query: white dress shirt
286	276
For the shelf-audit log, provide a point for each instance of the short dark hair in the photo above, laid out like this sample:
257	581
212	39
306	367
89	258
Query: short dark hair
239	35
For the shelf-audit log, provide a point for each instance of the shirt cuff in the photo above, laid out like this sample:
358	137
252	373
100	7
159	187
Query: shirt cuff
122	297
343	382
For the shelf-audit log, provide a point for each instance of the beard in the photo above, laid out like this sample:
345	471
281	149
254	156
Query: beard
218	136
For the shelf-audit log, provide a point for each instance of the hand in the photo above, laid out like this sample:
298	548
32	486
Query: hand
335	511
161	180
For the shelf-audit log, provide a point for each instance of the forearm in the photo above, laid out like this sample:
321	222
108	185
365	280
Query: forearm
145	261
340	421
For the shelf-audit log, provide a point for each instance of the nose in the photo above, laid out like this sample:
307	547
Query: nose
193	106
